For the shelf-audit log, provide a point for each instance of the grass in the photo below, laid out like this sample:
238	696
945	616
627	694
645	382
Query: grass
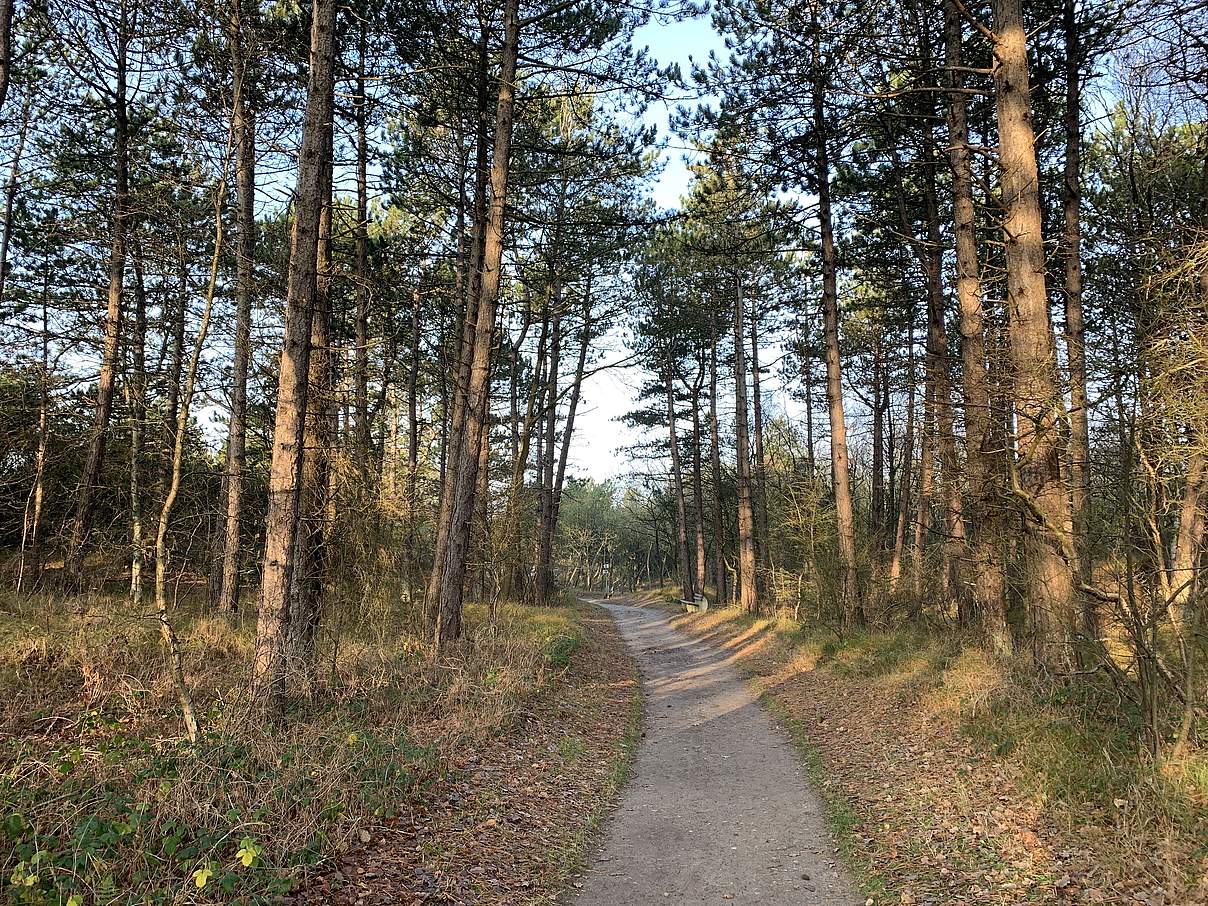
1071	760
103	801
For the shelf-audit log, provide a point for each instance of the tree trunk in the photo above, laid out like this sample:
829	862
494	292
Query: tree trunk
686	560
748	596
698	493
244	126
1080	444
6	47
759	490
1036	389
136	400
95	462
845	524
987	581
285	486
449	570
473	266
10	188
905	469
719	532
361	263
309	578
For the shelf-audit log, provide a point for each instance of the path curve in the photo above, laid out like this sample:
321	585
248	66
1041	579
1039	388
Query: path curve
719	809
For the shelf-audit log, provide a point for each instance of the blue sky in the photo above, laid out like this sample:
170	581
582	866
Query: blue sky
607	395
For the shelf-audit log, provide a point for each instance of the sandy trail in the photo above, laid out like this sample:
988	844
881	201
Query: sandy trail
719	809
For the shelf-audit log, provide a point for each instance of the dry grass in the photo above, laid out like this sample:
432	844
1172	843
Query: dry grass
103	799
955	778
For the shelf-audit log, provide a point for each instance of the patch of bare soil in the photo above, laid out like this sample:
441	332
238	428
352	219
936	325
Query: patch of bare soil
925	816
513	816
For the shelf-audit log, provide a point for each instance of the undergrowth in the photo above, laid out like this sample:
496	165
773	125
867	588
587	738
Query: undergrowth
102	800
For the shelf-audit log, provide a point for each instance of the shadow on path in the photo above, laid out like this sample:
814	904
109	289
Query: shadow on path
719	809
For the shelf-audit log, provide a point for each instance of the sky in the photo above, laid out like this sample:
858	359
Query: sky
598	449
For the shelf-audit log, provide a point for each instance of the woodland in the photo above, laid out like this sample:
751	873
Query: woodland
302	304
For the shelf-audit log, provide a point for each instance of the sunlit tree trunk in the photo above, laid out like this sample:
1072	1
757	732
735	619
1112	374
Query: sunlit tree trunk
845	522
748	587
719	531
285	472
1036	389
686	560
986	576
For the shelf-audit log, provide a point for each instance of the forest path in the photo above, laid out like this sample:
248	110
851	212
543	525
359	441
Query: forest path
719	808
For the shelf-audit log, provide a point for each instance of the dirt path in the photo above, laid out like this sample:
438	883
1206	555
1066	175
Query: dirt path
719	809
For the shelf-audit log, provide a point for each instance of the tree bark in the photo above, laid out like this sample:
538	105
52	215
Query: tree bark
759	489
845	525
1036	393
136	400
1080	444
6	47
719	532
361	262
285	486
686	560
244	126
987	582
309	578
748	589
449	570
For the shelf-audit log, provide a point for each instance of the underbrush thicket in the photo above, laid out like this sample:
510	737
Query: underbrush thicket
1076	747
103	801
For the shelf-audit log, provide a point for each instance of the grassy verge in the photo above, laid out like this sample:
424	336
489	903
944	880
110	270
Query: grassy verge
102	801
952	776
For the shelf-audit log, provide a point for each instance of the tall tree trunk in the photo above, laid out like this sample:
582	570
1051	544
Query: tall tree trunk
10	187
545	477
987	581
698	493
748	588
136	401
877	515
1080	443
285	472
6	47
361	263
473	264
244	126
449	571
1036	389
413	452
905	470
95	462
686	560
309	578
845	523
759	491
719	531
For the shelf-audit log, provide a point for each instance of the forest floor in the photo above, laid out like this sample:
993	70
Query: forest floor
516	814
479	778
949	782
720	808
